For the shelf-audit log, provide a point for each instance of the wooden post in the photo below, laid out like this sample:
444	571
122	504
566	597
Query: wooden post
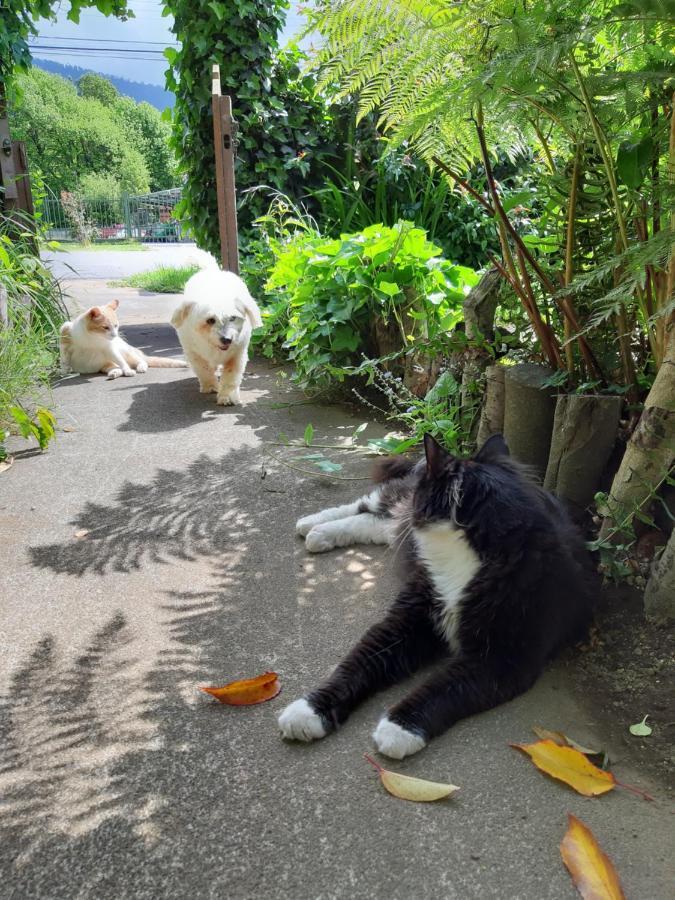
224	128
16	196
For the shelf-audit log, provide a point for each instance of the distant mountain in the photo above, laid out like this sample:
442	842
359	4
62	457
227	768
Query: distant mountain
138	90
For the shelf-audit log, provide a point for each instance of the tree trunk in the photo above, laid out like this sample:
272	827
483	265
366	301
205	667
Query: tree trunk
650	451
660	590
492	414
479	319
528	414
584	432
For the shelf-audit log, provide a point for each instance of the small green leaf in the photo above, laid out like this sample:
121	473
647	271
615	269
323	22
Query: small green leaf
308	435
325	465
641	729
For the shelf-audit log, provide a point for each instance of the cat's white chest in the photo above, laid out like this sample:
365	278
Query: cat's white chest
452	564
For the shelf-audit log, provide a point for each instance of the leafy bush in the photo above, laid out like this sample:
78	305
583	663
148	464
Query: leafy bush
329	297
29	336
386	185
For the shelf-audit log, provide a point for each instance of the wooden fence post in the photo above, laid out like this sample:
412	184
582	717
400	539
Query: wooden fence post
224	129
16	196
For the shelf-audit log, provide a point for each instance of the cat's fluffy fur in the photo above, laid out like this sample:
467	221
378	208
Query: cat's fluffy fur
497	579
214	324
92	343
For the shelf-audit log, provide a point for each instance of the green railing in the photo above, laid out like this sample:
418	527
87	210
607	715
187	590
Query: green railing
140	217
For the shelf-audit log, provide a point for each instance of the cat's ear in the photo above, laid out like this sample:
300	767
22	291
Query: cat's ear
181	313
494	449
95	313
114	304
435	455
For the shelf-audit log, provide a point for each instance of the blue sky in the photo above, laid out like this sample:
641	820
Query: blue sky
148	29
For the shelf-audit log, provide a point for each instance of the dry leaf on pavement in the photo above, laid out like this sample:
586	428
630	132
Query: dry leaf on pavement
247	691
563	740
591	869
570	766
419	790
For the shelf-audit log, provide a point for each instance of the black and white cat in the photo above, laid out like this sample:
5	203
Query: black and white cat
497	580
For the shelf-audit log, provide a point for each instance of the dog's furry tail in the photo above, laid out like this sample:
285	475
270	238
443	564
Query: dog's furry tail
165	362
392	467
201	259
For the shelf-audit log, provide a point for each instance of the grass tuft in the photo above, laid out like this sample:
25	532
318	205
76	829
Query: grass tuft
163	280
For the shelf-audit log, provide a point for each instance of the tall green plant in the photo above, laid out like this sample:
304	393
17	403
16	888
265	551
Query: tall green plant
280	121
585	81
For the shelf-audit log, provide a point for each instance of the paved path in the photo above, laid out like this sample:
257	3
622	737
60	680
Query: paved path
116	263
144	554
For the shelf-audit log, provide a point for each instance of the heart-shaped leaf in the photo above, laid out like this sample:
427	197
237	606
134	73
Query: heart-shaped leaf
641	729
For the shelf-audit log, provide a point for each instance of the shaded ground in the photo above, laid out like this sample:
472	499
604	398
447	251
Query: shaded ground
145	554
629	672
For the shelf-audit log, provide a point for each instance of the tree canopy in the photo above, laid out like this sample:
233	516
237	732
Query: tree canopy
76	134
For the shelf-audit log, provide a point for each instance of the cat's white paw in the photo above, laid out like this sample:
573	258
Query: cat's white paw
320	539
304	525
142	367
128	373
396	742
115	373
299	722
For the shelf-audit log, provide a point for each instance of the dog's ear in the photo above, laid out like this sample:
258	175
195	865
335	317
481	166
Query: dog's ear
181	313
114	304
251	310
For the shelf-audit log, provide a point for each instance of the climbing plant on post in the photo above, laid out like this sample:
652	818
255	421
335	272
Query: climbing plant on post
282	125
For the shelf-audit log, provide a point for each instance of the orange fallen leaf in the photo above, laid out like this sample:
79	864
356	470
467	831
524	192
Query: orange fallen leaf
592	871
405	787
570	766
247	691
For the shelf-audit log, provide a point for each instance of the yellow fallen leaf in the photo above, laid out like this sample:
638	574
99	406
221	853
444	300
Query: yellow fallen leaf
570	766
563	740
419	790
592	871
247	691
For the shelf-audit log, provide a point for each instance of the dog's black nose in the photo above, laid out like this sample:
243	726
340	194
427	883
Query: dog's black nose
225	342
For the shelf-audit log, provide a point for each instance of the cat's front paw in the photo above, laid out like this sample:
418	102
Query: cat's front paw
128	373
299	722
321	538
115	373
395	741
142	367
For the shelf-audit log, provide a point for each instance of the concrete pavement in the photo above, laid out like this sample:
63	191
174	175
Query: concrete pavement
144	554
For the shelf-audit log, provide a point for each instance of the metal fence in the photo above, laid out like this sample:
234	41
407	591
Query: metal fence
141	217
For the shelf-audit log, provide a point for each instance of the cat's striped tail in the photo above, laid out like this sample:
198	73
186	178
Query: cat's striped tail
165	362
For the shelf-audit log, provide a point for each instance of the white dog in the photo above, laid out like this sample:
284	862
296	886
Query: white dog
214	324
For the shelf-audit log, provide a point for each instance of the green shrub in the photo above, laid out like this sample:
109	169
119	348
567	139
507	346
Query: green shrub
327	296
29	338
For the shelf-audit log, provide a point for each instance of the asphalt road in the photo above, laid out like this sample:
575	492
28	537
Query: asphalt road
113	264
145	554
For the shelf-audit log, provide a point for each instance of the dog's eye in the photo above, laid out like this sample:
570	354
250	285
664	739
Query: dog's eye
211	320
233	318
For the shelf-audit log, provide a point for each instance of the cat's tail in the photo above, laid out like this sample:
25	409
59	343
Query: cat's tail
392	467
165	362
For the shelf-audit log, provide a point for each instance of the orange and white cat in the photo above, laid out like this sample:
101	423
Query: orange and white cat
92	343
